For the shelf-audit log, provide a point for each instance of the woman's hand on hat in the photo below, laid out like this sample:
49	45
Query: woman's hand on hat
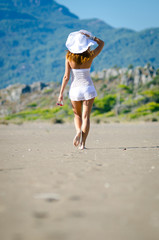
85	34
89	36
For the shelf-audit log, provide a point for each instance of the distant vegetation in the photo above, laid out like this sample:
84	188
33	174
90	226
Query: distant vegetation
116	101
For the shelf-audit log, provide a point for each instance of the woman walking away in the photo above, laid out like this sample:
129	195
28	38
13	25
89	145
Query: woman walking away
82	92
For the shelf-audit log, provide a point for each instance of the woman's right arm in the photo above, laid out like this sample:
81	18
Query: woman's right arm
99	48
98	41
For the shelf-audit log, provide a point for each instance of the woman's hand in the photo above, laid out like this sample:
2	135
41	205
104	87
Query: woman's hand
89	36
60	98
85	34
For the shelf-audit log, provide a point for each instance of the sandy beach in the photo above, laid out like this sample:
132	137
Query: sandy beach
50	190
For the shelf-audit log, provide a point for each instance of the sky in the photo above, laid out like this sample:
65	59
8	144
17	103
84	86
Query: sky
135	14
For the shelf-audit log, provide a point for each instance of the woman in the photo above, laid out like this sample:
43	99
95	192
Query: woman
82	91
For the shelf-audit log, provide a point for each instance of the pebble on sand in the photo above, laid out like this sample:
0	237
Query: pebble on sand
107	185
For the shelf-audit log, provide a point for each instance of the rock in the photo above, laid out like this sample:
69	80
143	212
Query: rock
137	71
101	75
111	72
14	93
122	70
137	80
152	71
149	78
147	66
130	72
2	102
107	185
145	78
26	89
4	112
37	86
93	74
124	80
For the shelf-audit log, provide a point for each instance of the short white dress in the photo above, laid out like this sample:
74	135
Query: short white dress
82	87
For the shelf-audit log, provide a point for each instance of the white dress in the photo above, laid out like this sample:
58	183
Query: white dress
82	87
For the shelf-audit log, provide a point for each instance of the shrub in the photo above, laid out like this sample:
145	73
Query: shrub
97	120
137	115
40	113
105	104
126	88
110	114
154	119
149	107
57	120
130	66
95	112
104	86
47	91
34	104
144	110
155	81
111	78
124	109
153	95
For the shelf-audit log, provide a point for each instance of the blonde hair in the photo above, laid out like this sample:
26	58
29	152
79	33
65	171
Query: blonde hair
79	58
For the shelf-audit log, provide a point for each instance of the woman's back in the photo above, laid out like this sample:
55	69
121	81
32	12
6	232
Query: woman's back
84	65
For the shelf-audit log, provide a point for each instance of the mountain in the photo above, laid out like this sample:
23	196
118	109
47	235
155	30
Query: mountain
33	35
42	9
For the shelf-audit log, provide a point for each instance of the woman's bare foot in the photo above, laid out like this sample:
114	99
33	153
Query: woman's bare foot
76	139
82	147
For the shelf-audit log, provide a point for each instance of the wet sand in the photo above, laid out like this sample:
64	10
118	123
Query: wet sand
49	190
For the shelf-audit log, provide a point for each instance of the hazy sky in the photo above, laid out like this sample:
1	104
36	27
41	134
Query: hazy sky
134	14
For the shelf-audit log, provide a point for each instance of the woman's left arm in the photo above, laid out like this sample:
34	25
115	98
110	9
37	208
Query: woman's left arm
65	80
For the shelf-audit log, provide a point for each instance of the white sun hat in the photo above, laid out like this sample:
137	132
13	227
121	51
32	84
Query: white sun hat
78	42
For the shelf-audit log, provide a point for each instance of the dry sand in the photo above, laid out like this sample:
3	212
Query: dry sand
49	190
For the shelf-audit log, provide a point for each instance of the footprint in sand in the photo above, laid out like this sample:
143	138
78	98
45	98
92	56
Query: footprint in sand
40	214
49	197
75	198
77	214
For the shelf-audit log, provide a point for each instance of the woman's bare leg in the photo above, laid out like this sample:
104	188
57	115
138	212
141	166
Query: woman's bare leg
77	109
87	107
